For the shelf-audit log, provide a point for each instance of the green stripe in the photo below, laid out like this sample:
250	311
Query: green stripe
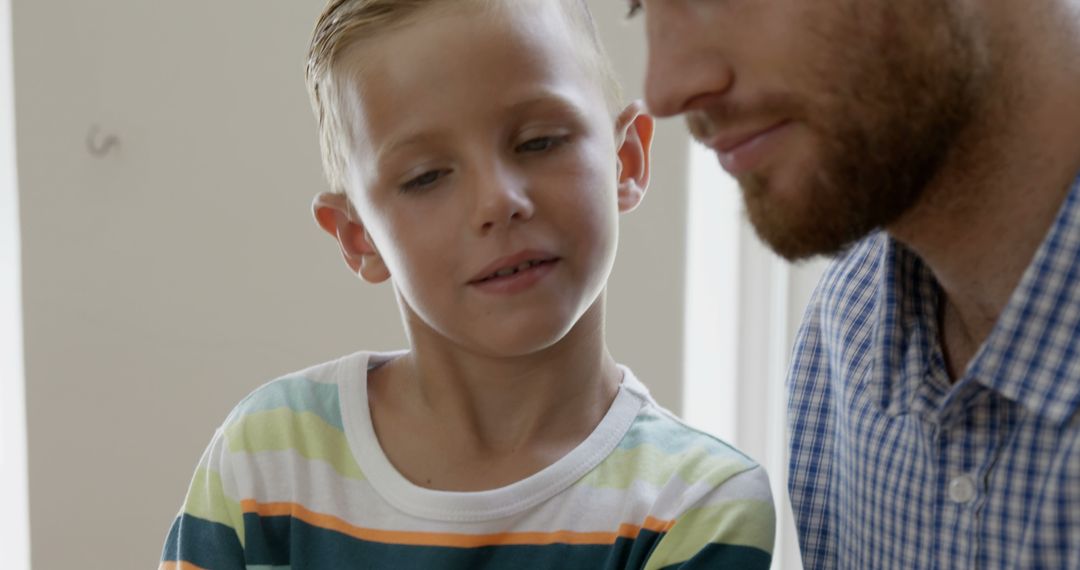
653	465
207	500
304	432
743	523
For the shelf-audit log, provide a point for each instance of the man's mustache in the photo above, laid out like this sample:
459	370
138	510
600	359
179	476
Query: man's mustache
707	121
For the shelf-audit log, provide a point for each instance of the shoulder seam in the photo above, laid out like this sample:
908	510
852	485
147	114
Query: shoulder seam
751	463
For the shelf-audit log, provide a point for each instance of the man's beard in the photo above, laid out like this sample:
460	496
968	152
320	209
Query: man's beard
890	115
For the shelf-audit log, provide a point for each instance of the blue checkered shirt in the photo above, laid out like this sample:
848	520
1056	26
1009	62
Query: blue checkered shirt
893	466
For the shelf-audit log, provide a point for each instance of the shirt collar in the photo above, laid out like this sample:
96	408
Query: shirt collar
1032	355
906	336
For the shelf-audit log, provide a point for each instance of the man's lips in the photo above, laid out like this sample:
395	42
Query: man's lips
745	151
729	142
513	264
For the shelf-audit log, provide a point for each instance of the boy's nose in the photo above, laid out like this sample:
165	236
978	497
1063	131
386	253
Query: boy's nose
686	61
502	197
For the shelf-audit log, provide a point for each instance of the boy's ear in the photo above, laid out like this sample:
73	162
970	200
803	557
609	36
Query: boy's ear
634	135
335	216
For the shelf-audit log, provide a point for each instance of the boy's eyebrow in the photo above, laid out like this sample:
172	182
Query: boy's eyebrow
546	98
409	139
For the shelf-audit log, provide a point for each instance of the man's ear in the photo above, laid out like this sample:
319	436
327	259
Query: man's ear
634	134
335	216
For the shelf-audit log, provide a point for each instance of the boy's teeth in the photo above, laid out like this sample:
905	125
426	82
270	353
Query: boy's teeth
513	270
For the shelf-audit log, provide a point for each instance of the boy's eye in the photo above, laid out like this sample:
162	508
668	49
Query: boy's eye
425	179
540	144
635	7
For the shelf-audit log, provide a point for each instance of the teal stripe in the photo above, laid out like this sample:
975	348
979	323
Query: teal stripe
203	543
726	556
298	394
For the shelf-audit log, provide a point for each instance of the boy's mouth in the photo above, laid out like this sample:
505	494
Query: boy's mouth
508	271
513	265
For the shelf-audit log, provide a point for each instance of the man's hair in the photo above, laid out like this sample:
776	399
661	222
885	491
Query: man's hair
343	23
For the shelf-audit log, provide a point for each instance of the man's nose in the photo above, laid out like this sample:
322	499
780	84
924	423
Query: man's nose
686	61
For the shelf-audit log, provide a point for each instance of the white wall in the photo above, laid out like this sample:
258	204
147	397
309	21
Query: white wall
167	278
14	516
744	306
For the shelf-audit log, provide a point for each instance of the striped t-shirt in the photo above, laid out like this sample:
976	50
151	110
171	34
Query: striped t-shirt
296	479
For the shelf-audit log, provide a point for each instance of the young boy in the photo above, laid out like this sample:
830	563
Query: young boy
479	162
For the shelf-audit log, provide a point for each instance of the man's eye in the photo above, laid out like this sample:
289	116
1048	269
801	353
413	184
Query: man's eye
540	144
635	7
425	179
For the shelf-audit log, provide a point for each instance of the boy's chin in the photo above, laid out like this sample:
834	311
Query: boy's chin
513	334
533	332
522	342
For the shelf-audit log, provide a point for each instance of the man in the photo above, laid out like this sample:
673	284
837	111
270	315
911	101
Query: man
934	147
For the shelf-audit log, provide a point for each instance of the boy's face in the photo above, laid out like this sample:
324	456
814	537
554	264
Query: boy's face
482	147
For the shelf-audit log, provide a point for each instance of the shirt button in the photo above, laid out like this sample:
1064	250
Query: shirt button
962	489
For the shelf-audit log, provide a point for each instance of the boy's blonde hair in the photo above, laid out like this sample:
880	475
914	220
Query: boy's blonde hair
345	22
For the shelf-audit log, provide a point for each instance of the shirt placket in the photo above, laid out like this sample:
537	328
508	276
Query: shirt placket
966	447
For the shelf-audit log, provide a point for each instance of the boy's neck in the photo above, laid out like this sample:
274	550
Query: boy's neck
454	420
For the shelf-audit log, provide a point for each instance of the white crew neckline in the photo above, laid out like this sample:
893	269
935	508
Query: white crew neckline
452	506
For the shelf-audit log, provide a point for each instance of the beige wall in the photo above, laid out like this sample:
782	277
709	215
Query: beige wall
168	278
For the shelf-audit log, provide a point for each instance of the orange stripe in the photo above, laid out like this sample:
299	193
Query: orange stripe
333	523
179	566
657	525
